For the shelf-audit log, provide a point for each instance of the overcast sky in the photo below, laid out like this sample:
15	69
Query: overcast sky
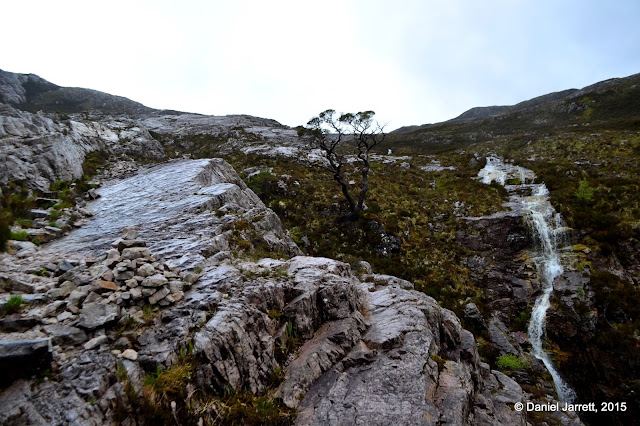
413	62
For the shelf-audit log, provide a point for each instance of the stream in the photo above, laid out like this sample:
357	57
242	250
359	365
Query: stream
550	233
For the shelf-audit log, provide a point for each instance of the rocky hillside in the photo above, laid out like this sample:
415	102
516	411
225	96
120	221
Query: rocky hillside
47	131
28	92
610	104
105	321
146	281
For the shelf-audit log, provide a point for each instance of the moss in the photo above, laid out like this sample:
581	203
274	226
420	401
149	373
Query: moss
274	314
19	236
439	360
510	363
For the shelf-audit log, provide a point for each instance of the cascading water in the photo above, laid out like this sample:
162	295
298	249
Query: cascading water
548	230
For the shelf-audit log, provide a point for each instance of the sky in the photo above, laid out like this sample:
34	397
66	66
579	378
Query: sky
412	62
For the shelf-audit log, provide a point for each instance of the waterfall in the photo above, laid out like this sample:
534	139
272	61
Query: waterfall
548	230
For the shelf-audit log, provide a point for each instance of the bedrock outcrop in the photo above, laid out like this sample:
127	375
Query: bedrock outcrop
354	349
371	354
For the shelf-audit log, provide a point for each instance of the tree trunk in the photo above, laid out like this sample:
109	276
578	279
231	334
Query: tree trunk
345	192
365	185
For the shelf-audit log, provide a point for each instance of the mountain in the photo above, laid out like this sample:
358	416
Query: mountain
48	130
169	267
31	93
613	103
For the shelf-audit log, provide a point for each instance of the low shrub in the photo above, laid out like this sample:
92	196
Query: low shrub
509	363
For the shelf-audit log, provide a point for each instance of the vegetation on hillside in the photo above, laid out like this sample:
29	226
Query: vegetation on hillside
408	229
17	199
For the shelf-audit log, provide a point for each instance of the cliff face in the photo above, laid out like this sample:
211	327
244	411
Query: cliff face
369	349
39	148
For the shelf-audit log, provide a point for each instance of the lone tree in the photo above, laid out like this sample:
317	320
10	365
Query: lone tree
337	138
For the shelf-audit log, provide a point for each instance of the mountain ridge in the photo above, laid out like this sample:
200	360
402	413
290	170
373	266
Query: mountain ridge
486	112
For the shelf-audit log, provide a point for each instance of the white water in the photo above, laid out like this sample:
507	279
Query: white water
548	230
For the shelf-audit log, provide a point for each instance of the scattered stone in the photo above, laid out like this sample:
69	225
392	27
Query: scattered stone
92	297
122	343
147	291
96	341
191	278
158	295
65	335
130	354
129	233
136	293
156	280
95	315
146	270
37	213
121	273
54	229
106	286
64	316
91	194
136	253
17	323
107	275
52	308
90	260
124	244
176	286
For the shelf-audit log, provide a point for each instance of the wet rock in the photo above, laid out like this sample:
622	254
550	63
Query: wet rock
156	280
136	253
499	336
95	315
130	354
391	376
473	317
146	270
22	358
96	341
158	295
65	335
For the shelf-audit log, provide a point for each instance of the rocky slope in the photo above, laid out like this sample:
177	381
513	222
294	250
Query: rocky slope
346	347
47	130
371	349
